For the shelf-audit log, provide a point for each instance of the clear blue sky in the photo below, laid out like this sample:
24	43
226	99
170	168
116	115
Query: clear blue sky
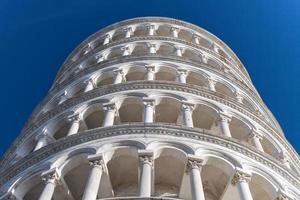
36	37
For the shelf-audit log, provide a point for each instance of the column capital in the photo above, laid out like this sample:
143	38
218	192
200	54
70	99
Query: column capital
150	68
125	48
9	196
118	71
224	118
195	36
194	163
90	81
211	81
44	134
50	176
74	118
187	106
174	29
239	96
150	26
283	157
109	106
204	58
255	134
151	45
108	36
179	48
128	29
146	157
240	176
182	71
96	161
148	101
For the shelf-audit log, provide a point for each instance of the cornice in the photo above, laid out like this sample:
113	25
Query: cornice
177	22
146	130
124	41
142	85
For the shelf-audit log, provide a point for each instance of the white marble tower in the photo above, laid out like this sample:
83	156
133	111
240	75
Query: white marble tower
151	108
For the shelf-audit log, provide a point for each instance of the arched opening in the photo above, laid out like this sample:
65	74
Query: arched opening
75	173
215	176
32	188
248	104
165	75
165	50
205	117
93	117
123	171
167	111
214	64
135	73
261	188
196	79
131	110
223	89
76	90
191	55
116	52
269	148
163	30
105	79
239	130
61	129
140	50
169	166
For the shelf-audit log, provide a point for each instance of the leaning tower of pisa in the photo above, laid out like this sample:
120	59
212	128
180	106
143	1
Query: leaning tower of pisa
151	108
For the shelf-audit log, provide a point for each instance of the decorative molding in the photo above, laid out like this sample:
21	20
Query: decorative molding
150	130
158	85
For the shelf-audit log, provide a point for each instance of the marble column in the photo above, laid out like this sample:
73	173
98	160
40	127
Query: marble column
107	39
148	110
110	110
152	48
75	123
118	76
126	51
174	32
145	177
43	139
179	51
215	48
128	32
194	166
255	139
187	110
51	180
212	84
241	180
196	39
151	29
63	97
90	85
93	182
181	74
224	121
150	72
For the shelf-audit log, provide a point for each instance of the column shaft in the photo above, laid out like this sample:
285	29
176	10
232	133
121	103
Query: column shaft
244	191
257	143
148	116
41	143
48	191
145	177
187	118
93	183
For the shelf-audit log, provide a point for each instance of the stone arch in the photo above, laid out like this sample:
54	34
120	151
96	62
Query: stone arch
205	116
93	116
140	49
240	128
131	110
225	89
76	89
262	185
105	78
191	55
169	166
270	146
167	110
198	79
124	179
135	73
165	49
115	52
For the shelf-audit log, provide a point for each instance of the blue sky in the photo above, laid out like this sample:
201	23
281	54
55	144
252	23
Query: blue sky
36	37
